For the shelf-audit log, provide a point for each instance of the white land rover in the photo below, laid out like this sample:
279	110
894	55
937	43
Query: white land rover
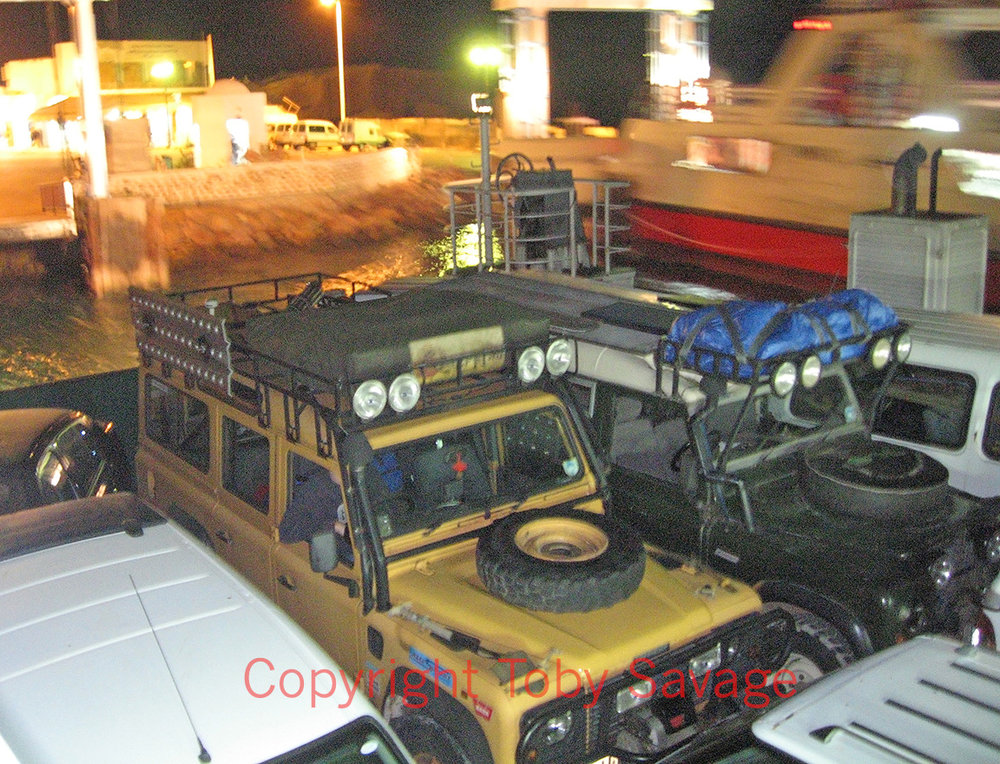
123	639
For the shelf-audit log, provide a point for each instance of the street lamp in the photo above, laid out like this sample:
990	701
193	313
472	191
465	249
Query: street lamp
340	52
488	58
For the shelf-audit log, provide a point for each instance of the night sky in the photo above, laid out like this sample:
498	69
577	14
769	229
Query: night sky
596	58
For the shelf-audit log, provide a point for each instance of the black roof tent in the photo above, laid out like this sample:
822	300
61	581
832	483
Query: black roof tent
361	340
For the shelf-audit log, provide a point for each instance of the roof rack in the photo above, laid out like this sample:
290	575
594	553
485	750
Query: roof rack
318	352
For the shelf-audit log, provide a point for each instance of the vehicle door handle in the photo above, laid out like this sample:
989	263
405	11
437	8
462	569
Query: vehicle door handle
223	536
287	582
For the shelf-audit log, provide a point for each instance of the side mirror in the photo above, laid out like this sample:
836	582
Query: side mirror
323	555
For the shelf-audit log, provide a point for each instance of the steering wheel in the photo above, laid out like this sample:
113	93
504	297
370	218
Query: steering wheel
510	166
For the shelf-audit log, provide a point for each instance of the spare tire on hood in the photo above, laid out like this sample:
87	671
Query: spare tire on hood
866	478
560	561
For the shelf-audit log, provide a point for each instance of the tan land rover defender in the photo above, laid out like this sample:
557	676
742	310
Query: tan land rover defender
406	478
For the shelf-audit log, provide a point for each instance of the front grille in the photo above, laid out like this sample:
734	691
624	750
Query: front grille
652	728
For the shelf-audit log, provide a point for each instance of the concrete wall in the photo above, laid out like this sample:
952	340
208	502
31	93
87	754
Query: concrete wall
152	218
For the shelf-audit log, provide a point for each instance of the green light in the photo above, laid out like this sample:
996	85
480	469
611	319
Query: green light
485	56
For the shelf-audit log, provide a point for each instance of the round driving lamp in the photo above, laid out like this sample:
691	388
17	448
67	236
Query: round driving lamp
941	572
881	352
783	378
810	372
404	392
559	357
992	548
369	399
530	364
558	727
903	345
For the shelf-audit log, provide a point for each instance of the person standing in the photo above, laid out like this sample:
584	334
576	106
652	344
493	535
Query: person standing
239	137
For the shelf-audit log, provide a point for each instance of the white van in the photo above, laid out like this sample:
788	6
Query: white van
361	133
124	639
310	134
945	400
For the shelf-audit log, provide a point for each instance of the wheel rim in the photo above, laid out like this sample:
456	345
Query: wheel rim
561	539
804	669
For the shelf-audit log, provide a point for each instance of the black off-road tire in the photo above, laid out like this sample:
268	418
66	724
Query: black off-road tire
428	741
560	561
817	647
874	479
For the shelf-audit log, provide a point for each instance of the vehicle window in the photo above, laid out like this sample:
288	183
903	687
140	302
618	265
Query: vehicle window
360	742
929	406
178	422
315	502
72	466
316	128
823	404
867	83
981	55
246	464
647	432
424	483
991	433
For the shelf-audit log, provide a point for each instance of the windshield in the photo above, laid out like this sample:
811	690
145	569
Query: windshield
73	465
363	741
772	422
424	483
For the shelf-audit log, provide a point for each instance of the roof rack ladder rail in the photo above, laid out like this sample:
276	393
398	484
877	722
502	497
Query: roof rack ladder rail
263	391
324	431
293	408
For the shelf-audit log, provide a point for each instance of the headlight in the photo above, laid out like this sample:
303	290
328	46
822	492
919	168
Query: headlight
404	392
783	378
557	728
369	399
810	372
903	345
941	571
992	547
635	695
559	357
707	661
530	364
881	352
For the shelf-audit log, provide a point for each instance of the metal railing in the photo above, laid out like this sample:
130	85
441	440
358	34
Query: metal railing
541	227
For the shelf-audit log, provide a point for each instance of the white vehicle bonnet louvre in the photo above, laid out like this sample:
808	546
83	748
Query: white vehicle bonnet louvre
928	700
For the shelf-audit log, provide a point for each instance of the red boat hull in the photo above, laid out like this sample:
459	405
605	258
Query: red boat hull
802	258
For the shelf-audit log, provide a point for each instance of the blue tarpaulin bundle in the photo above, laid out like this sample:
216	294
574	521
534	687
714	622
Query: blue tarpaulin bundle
732	338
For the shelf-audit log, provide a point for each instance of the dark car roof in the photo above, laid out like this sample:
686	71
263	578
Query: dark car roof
53	524
21	428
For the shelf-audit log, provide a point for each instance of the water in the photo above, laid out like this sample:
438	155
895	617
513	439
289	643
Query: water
53	329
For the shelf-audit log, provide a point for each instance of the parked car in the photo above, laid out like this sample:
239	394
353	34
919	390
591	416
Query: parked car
361	134
309	134
945	400
734	434
54	454
929	699
124	639
403	477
